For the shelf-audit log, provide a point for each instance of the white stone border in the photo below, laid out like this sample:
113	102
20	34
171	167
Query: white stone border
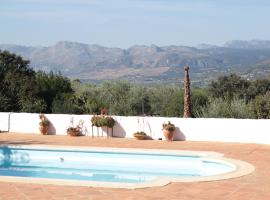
241	168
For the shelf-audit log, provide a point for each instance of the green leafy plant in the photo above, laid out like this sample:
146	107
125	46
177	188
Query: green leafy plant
44	121
75	130
102	120
262	106
168	126
109	122
224	108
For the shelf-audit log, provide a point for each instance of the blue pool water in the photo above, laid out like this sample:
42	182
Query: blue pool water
106	166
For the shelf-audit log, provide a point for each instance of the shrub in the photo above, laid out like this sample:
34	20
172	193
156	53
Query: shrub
229	87
262	106
224	108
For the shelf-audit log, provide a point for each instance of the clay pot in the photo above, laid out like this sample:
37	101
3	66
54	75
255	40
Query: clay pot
43	130
168	134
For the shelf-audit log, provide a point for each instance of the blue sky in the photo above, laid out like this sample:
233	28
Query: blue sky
123	23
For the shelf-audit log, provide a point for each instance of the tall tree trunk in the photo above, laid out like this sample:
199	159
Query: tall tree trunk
187	101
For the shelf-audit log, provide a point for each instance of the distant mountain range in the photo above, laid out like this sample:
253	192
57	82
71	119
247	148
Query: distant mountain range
150	64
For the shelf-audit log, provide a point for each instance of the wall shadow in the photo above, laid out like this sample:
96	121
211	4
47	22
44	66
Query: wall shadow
118	131
148	137
51	130
179	135
105	131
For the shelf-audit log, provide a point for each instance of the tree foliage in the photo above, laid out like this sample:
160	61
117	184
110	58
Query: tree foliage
68	104
24	90
262	106
166	100
50	86
223	108
229	87
258	87
17	82
124	98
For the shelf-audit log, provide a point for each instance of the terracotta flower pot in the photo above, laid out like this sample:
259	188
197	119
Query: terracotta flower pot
168	134
43	130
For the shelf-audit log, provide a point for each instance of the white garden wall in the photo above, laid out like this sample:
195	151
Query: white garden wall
199	129
4	121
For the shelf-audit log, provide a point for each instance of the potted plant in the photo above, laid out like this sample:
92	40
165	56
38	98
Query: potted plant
109	122
43	124
168	130
102	120
75	130
140	135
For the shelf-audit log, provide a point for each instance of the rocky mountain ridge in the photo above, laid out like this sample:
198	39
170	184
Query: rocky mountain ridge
149	64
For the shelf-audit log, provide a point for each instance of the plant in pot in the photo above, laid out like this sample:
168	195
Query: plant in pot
168	130
43	124
109	122
140	135
102	120
73	130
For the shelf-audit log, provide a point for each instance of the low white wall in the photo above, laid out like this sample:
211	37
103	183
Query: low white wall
4	121
199	129
29	123
227	130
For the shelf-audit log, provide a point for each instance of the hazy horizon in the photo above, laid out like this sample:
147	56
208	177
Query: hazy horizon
124	23
193	46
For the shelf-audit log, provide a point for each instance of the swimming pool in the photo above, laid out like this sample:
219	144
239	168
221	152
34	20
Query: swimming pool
126	168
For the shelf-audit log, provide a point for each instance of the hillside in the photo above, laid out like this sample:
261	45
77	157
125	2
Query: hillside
149	64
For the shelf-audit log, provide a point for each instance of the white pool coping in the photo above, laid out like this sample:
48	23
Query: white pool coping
241	168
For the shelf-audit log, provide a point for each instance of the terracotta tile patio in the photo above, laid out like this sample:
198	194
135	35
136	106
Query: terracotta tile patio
255	186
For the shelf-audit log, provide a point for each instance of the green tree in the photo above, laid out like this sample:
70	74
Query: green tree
90	95
36	106
92	102
67	104
139	101
258	87
17	82
166	101
116	96
229	87
51	85
262	106
199	98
